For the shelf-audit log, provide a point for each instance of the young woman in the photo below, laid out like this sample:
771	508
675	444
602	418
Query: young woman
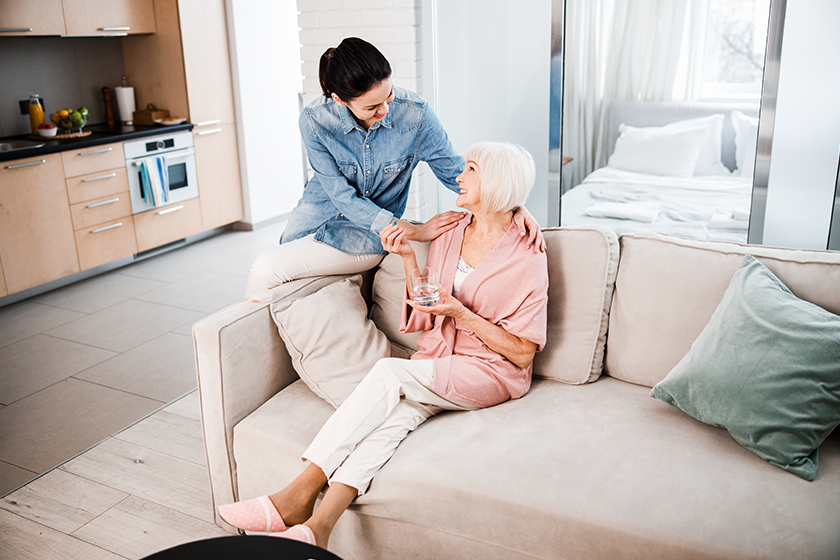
493	295
363	137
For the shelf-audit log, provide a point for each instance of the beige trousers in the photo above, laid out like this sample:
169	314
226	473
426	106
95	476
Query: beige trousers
303	258
391	401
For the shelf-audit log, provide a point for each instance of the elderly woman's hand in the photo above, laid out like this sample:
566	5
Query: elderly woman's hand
528	225
394	240
447	305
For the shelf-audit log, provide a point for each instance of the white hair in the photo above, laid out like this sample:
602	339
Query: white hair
507	174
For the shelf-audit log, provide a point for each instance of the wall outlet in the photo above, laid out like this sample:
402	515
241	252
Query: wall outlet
24	105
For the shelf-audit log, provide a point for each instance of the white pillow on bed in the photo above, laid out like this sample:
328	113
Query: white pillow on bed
746	136
659	150
708	160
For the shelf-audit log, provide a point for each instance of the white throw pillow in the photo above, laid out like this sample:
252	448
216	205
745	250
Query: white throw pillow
708	162
665	150
332	343
746	137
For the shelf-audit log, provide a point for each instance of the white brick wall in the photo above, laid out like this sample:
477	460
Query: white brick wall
392	25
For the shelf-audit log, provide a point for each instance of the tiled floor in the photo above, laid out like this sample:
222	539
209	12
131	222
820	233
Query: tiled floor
81	363
140	491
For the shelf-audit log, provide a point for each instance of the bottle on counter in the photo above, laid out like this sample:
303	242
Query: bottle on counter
36	113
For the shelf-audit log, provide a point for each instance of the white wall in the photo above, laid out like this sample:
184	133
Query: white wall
806	132
492	80
265	62
393	26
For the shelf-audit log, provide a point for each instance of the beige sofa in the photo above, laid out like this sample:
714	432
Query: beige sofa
585	466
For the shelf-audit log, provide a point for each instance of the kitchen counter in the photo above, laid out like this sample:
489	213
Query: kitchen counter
100	135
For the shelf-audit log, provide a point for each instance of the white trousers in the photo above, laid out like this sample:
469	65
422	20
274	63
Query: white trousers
359	438
303	258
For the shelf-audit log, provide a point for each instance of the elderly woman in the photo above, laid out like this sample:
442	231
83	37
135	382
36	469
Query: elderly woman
476	350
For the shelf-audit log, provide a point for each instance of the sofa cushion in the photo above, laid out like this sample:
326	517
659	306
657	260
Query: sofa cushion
332	343
582	264
766	368
389	293
668	287
597	471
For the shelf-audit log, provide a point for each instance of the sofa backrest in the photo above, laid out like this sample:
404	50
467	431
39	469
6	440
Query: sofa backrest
667	289
582	264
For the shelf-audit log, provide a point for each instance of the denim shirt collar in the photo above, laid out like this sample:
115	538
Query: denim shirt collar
348	121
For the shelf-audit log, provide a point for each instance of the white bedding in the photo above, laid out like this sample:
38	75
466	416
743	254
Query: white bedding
686	205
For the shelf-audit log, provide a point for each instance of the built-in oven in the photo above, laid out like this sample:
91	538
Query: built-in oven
161	170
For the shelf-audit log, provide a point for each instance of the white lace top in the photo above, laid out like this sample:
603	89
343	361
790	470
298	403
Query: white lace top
460	275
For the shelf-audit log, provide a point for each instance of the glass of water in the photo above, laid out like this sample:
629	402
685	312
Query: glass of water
424	286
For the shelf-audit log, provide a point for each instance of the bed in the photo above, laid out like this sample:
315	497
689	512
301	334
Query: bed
676	168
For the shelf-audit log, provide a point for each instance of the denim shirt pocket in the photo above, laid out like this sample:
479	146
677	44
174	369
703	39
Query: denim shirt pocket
348	169
394	167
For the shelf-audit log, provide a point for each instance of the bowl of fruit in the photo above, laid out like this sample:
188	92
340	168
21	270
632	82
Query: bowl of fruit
69	120
46	130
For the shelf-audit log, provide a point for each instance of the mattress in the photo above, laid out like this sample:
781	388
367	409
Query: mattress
700	207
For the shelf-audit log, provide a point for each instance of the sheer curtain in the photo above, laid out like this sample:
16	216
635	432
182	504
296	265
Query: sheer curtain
626	50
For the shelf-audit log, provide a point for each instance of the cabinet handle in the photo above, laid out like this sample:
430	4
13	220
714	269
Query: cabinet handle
17	30
173	209
208	123
98	204
26	164
106	228
211	131
114	29
98	178
95	152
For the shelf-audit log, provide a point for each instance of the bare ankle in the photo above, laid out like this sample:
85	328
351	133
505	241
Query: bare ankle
322	533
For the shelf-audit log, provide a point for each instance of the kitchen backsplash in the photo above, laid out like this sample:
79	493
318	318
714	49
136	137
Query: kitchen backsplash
67	72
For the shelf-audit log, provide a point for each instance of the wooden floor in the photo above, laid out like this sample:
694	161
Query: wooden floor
142	490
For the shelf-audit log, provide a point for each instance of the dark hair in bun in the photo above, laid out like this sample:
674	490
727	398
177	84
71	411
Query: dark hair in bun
352	69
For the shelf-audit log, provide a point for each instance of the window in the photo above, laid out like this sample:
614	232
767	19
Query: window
722	55
733	58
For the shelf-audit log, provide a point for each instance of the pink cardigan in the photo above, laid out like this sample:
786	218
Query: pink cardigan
510	289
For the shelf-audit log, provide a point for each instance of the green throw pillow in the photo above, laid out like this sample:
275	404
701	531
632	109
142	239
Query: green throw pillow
766	368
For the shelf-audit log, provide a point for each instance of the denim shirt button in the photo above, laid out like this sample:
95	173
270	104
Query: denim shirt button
368	171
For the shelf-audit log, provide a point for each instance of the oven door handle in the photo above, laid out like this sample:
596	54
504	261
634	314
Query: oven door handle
171	156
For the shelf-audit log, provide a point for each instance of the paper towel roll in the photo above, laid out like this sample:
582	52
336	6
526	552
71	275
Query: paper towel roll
125	104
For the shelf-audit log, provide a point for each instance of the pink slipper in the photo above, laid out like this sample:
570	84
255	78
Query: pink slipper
300	533
258	515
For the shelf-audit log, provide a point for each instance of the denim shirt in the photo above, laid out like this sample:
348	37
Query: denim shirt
362	177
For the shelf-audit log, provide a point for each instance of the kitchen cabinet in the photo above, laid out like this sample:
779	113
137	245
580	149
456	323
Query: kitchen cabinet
37	244
210	97
24	17
106	242
167	224
100	205
92	160
107	17
97	185
217	166
204	44
196	84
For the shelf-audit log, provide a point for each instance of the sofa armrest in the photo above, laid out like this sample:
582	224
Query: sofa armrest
241	362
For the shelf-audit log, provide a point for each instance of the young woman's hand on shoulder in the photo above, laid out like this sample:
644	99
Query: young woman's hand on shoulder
529	226
434	227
